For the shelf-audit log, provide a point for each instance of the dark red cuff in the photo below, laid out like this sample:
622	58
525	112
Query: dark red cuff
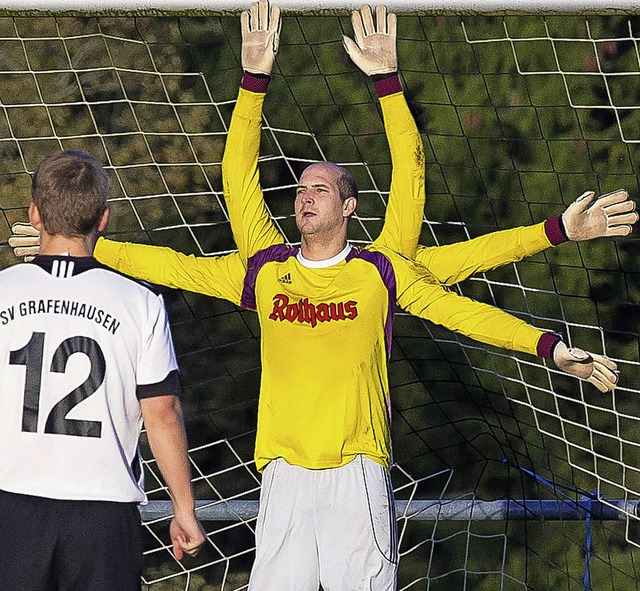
388	85
547	344
255	82
555	231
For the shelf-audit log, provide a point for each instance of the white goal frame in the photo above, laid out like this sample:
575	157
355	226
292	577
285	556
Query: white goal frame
157	7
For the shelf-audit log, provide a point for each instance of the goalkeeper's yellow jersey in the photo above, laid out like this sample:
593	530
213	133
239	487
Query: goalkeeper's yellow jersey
325	337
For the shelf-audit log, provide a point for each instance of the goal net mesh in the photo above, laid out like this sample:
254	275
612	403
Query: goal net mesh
519	116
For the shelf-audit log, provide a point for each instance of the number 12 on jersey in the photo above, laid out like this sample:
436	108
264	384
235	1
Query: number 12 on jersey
32	357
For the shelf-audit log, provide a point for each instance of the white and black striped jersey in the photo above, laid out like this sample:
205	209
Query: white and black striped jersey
80	344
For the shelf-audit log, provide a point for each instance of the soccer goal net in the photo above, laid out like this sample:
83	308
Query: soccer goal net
508	475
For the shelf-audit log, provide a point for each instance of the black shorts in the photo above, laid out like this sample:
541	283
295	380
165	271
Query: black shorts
54	545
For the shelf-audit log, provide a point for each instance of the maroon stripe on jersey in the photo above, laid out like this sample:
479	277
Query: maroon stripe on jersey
388	276
276	253
255	82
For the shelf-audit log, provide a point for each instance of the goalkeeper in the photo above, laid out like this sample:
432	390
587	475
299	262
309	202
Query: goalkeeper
374	52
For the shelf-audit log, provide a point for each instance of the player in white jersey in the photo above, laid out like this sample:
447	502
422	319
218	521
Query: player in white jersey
85	354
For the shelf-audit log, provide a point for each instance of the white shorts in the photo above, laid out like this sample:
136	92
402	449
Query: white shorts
334	527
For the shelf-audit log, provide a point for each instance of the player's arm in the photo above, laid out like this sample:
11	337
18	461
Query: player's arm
374	52
220	276
216	276
585	219
419	293
251	225
158	388
168	441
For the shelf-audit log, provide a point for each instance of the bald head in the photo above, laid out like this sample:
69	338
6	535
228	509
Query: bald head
346	184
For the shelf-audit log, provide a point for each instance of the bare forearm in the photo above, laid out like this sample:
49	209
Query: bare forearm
168	441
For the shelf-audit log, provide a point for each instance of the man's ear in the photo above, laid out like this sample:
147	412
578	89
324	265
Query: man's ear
34	216
349	206
103	220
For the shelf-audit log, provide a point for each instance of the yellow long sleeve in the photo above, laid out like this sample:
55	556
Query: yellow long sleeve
220	277
252	228
453	263
420	293
403	218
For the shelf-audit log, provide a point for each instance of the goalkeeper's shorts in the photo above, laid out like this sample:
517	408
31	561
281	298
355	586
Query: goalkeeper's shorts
334	527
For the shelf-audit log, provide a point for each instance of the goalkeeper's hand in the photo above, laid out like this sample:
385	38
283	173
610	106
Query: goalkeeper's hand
609	215
374	49
260	37
595	369
25	240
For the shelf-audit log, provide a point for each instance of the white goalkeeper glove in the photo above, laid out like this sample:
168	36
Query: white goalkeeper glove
260	37
25	240
374	49
610	215
595	369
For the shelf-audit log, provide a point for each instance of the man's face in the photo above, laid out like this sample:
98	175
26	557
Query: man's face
318	206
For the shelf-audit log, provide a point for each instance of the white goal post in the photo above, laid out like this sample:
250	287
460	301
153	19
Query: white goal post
467	7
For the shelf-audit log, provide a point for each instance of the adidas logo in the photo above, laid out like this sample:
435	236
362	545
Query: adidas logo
285	279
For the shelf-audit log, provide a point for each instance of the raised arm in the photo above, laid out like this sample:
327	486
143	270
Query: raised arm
251	225
419	293
585	219
374	52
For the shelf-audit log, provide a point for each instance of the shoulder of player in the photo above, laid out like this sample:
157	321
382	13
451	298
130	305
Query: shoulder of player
16	270
66	267
402	264
275	253
374	251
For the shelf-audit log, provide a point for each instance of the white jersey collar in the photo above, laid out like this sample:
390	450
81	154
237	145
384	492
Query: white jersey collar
323	264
